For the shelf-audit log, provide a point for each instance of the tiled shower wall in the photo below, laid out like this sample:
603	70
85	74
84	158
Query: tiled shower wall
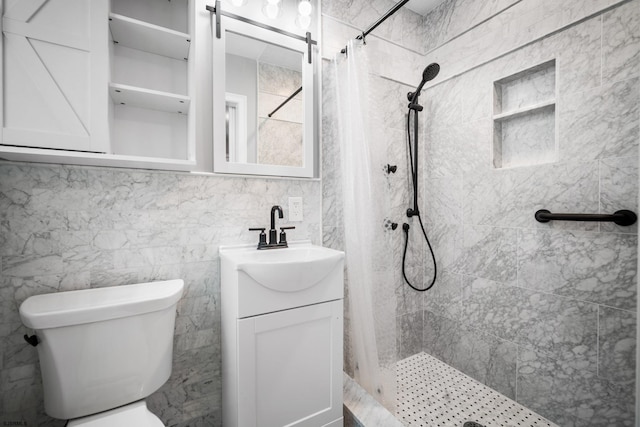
543	313
68	227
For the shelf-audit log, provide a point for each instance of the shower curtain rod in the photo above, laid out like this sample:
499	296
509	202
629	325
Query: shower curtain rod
373	26
285	101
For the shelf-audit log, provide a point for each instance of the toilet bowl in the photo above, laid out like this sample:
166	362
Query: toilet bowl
102	351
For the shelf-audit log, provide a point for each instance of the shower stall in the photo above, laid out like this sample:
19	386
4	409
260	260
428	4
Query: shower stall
535	107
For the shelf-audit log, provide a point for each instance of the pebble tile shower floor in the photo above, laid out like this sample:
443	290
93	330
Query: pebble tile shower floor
432	393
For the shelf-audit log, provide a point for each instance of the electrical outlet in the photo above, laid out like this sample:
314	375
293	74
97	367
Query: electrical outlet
295	208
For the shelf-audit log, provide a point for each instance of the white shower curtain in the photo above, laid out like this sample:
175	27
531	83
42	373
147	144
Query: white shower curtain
365	205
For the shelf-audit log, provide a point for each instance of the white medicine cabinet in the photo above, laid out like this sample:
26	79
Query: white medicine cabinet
263	100
128	83
98	82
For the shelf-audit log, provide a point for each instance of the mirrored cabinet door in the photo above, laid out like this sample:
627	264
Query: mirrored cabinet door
263	102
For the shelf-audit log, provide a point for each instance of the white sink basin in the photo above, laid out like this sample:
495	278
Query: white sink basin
262	281
291	269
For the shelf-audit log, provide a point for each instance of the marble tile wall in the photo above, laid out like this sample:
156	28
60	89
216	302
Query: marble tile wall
543	313
67	227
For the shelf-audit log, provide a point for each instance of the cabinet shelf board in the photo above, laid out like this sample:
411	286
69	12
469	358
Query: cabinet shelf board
149	37
41	155
150	99
525	110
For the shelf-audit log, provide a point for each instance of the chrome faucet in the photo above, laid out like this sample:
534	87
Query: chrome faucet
273	233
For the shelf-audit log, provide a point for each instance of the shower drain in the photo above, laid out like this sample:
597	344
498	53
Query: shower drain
434	394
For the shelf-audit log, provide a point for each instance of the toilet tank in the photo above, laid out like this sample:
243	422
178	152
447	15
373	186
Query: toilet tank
105	347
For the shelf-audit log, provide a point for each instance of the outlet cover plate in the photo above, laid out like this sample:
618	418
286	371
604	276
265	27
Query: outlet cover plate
295	209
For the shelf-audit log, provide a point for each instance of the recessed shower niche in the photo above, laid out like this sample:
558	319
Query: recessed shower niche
524	123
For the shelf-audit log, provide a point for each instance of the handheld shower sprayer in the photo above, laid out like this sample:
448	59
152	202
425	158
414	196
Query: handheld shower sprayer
429	73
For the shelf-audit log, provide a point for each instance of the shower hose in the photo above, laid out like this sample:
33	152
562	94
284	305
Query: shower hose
405	226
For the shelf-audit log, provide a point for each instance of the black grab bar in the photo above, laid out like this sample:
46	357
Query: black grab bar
622	217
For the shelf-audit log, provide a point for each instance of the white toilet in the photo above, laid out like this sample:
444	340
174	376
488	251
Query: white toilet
102	351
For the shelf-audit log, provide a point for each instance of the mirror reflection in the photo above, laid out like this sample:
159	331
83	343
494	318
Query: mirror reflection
264	103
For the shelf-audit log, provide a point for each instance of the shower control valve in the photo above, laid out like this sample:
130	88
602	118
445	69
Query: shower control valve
412	212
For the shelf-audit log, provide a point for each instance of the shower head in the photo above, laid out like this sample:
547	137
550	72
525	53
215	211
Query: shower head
429	73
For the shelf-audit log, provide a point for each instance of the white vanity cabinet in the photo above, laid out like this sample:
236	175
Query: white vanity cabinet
282	336
98	82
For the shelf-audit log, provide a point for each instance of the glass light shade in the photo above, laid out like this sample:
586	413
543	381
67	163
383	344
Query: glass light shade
238	3
303	21
304	7
271	9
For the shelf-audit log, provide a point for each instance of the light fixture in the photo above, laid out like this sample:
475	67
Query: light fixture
304	7
303	21
271	9
238	3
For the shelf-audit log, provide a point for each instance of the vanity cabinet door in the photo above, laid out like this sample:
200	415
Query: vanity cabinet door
290	367
55	74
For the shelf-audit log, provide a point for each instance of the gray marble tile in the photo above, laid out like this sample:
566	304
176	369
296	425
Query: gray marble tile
409	334
484	357
488	359
552	325
440	336
445	298
602	268
443	200
572	397
616	345
618	190
511	197
621	42
600	123
457	149
408	300
578	51
390	101
488	252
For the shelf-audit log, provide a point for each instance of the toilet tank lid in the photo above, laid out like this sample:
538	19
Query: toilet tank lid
94	305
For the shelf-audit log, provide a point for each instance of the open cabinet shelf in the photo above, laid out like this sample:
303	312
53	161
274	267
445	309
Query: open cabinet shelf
121	98
150	38
149	99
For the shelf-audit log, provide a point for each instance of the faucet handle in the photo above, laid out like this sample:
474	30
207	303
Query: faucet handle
263	236
283	235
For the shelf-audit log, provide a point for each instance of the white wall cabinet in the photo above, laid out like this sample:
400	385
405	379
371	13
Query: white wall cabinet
98	82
